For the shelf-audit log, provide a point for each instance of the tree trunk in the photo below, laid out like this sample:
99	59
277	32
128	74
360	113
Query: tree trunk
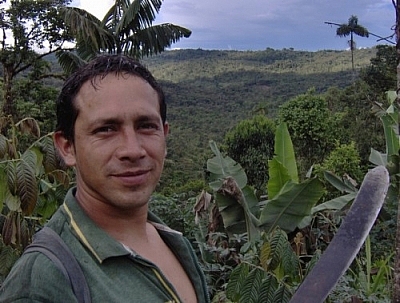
8	102
352	51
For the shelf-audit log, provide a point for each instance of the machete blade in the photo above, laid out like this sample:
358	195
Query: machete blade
347	241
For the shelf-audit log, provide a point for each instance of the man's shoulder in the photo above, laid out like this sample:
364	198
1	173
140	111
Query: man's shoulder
31	278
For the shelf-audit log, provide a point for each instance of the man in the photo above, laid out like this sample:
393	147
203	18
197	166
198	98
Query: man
111	127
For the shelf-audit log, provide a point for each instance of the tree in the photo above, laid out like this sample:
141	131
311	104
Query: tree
251	143
30	31
127	28
312	127
351	28
381	74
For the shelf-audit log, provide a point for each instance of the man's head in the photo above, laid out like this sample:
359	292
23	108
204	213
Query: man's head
67	111
112	129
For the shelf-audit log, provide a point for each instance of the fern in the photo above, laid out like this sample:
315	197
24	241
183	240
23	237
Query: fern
236	280
268	288
282	294
279	244
265	253
252	286
290	262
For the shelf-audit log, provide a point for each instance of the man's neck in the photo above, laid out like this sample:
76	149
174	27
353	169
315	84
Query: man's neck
124	225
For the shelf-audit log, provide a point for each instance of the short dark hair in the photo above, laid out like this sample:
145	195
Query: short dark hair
101	66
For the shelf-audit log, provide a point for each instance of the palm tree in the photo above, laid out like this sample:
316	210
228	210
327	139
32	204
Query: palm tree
351	28
127	28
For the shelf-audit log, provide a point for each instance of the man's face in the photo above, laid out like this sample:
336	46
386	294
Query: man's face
119	145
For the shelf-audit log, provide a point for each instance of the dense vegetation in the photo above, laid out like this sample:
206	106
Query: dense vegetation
209	92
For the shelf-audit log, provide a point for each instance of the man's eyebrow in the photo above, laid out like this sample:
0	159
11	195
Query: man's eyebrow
150	117
105	121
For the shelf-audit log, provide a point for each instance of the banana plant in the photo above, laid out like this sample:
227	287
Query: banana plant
289	201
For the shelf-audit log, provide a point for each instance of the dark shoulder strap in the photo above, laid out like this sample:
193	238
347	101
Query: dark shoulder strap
50	244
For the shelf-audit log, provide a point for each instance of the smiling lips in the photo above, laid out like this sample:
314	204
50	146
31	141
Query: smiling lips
132	177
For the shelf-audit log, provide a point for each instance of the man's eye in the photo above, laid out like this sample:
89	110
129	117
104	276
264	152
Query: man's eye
149	126
104	129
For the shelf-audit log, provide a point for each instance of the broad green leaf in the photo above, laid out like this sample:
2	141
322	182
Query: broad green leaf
278	176
27	187
251	289
13	202
236	207
222	167
3	185
50	159
338	183
334	204
391	136
236	281
11	171
378	158
3	146
291	205
34	157
284	151
391	95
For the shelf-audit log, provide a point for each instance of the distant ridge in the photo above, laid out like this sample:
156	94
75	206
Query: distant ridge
210	91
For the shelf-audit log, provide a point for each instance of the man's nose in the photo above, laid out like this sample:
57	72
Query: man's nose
130	145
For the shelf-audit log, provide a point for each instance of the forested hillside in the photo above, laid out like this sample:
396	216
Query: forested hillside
208	92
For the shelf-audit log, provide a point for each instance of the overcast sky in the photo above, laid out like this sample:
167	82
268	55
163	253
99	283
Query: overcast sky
258	24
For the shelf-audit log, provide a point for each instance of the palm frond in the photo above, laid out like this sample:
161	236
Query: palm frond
69	61
361	31
343	30
155	39
86	27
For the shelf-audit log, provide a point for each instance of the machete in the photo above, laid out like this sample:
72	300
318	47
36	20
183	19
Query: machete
347	241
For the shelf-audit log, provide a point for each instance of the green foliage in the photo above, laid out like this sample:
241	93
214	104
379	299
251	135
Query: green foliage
126	28
255	286
35	25
390	158
294	203
312	127
36	99
380	75
32	186
369	280
251	143
344	160
176	212
358	121
240	209
209	92
267	273
235	220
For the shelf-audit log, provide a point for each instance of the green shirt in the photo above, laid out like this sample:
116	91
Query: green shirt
113	273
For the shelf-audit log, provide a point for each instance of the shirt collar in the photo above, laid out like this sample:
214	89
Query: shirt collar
101	244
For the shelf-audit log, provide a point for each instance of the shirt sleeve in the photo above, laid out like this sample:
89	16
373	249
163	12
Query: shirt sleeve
34	278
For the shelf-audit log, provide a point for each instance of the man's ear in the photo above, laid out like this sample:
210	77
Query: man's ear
166	132
65	148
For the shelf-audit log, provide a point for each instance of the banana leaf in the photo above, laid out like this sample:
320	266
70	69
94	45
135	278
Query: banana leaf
291	205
